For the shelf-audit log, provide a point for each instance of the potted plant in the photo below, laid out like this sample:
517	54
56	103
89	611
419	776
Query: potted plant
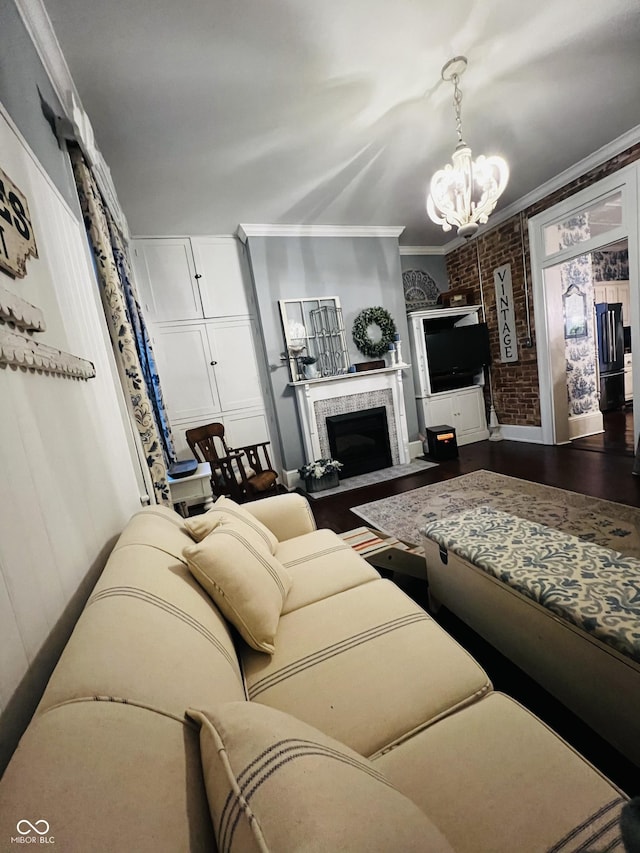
308	363
321	474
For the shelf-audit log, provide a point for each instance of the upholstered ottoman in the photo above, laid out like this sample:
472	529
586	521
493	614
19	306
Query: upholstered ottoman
564	610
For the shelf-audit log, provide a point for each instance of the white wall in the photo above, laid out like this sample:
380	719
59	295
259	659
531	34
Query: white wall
67	479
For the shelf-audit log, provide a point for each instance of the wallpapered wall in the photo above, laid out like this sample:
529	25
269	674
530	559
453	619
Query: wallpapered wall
611	266
580	351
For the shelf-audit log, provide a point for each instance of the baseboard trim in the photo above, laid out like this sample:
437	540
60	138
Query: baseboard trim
581	426
528	434
415	449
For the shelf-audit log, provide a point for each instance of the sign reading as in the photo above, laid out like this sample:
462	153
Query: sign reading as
17	241
506	314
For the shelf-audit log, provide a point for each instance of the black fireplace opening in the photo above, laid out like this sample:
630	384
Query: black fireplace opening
360	440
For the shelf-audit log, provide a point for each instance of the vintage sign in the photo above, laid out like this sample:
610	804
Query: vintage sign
17	240
506	314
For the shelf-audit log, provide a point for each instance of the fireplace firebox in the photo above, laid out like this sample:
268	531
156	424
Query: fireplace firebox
360	440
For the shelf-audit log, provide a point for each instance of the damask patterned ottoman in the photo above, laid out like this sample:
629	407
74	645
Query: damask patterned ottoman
564	610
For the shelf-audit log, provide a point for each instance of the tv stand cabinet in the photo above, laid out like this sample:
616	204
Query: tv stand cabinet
462	408
456	401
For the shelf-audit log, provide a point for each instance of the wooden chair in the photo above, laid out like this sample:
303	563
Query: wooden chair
241	473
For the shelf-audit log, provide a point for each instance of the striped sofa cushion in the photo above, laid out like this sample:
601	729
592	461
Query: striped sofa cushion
274	783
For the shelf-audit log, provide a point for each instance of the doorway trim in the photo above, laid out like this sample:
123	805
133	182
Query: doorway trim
627	181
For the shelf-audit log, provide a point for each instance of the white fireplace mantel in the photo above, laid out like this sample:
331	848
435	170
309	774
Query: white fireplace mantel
310	391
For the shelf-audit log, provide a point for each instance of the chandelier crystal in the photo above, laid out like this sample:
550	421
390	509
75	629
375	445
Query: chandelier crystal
465	192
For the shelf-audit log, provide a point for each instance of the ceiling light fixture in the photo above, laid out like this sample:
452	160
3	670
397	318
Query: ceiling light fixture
465	193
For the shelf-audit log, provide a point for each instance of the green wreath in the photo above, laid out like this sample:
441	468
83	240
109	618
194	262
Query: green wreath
373	317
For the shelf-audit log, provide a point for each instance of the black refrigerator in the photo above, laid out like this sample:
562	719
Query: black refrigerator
610	355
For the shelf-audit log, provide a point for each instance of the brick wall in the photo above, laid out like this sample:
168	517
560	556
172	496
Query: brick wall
515	386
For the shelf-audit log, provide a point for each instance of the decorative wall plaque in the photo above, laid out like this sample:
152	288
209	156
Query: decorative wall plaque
506	314
17	240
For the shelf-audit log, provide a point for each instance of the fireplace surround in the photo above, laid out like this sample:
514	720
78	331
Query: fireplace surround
318	399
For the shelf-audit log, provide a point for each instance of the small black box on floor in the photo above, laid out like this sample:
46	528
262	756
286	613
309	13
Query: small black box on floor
442	443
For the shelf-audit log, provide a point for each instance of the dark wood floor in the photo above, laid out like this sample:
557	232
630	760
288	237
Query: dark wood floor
605	475
602	475
617	437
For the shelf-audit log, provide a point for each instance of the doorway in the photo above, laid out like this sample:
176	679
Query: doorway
581	251
589	298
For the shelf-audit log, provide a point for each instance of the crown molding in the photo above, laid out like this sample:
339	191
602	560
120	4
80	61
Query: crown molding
423	250
38	24
78	126
246	231
577	170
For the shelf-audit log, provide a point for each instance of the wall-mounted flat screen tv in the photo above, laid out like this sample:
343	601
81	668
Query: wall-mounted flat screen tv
458	350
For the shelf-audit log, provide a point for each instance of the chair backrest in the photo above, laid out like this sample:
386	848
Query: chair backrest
207	442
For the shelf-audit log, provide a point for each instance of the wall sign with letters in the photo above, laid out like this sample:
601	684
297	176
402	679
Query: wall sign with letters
506	314
17	240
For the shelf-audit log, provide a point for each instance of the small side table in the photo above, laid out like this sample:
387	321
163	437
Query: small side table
192	489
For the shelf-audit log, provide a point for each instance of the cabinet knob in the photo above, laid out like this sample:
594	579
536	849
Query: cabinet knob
213	363
197	276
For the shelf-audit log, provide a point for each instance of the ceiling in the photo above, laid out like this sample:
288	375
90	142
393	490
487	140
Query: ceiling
212	113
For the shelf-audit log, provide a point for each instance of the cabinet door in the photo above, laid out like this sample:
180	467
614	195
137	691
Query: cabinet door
247	428
224	280
186	371
166	278
623	296
628	377
470	416
232	344
440	411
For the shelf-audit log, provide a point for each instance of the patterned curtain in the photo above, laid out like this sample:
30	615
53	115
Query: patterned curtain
127	328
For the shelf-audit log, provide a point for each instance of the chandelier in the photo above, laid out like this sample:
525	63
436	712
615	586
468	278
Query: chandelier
465	193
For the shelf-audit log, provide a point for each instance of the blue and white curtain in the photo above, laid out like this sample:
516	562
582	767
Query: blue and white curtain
127	328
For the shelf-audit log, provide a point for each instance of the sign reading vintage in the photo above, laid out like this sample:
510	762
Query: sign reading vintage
17	241
506	314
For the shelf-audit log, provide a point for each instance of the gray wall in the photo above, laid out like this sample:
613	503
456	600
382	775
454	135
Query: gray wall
361	271
435	265
23	83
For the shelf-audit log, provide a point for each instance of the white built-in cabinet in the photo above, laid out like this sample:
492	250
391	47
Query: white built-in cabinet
462	408
614	291
628	377
197	298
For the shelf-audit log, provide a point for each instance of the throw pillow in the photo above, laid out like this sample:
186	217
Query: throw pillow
276	784
200	526
246	582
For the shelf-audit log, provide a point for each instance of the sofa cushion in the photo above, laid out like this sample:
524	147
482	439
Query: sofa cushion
505	782
200	526
276	784
320	565
108	776
286	515
157	527
248	583
370	647
149	634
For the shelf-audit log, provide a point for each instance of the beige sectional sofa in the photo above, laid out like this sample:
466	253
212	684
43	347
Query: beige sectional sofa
366	728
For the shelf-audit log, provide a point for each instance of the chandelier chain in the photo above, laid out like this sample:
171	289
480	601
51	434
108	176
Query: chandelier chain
465	191
457	104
